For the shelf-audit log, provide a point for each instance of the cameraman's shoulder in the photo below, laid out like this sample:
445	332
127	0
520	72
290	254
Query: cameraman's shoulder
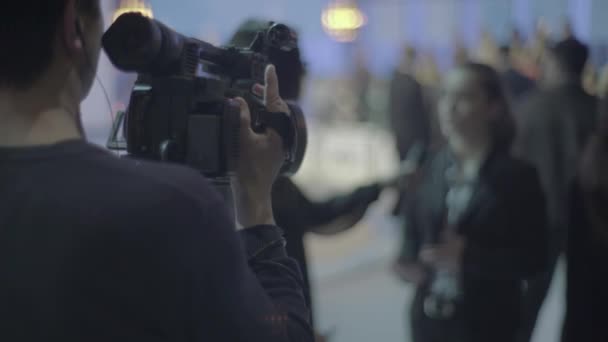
145	181
158	210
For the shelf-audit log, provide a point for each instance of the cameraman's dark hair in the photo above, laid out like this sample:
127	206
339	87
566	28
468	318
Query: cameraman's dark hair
571	54
289	65
27	33
504	127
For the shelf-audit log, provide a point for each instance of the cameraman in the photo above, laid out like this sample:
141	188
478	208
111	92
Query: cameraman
94	248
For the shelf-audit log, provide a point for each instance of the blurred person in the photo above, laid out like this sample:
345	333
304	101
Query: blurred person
517	41
429	76
294	211
567	31
555	123
460	52
535	51
602	84
361	83
475	224
427	71
97	248
517	84
461	55
410	117
587	275
590	79
518	52
541	39
487	51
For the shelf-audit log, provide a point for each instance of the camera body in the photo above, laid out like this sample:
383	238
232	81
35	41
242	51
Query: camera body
180	110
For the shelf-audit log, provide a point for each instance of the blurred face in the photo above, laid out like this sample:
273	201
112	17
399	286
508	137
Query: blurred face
464	110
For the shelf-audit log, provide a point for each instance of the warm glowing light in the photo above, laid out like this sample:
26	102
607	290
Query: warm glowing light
128	6
342	21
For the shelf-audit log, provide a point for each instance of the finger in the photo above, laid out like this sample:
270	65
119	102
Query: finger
258	90
272	84
245	114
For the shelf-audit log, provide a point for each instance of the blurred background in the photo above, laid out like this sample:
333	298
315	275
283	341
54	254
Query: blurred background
351	49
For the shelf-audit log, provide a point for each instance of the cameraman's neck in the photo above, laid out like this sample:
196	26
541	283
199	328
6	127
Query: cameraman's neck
37	116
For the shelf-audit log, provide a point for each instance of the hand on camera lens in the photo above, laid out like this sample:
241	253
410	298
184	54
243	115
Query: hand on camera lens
261	158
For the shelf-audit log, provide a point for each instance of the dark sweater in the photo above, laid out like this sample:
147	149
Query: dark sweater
94	248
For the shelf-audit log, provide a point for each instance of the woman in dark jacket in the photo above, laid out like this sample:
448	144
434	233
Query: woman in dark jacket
476	224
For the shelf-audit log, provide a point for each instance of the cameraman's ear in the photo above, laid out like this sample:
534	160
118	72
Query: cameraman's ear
72	29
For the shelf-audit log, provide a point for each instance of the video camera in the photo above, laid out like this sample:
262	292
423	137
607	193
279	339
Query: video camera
179	109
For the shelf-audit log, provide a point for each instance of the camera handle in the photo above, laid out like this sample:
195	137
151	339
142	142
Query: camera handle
263	119
280	122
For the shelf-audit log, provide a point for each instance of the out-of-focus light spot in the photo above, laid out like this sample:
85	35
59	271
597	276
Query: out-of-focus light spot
342	21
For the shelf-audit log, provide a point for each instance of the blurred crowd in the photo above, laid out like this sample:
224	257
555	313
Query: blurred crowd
520	55
542	101
508	152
